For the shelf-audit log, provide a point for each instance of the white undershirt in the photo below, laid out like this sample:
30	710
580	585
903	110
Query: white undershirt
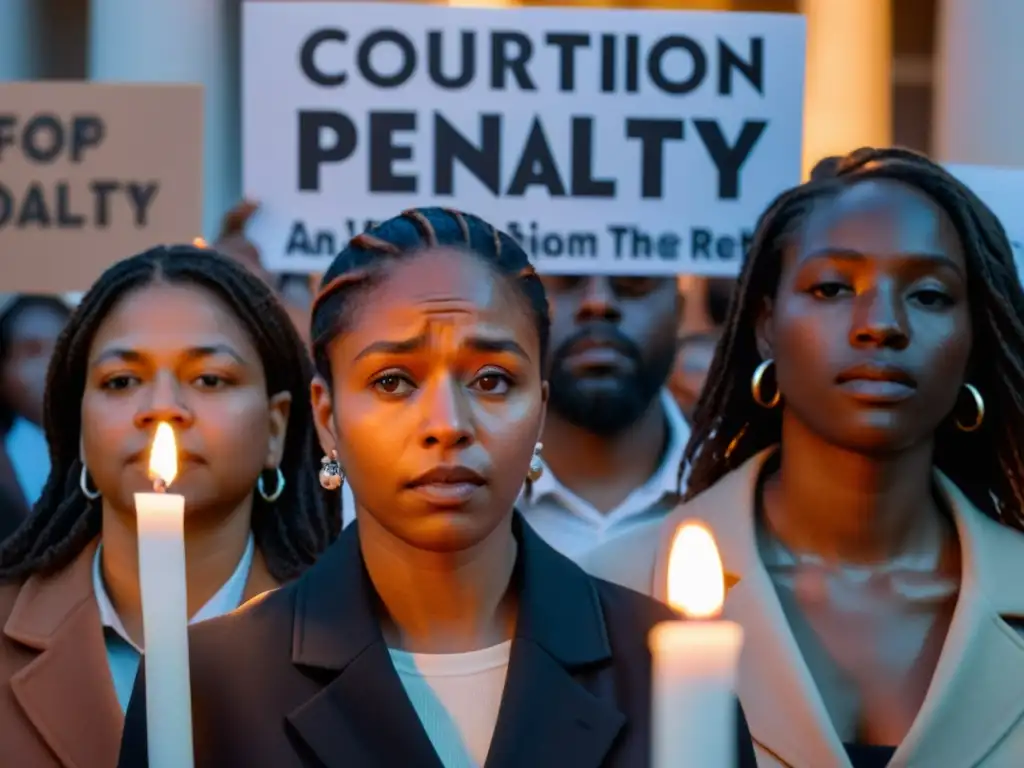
457	697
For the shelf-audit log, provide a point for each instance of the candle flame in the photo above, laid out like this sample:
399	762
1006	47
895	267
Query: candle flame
696	582
200	243
163	456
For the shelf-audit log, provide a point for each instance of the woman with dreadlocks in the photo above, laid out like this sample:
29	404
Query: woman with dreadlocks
438	607
858	453
173	335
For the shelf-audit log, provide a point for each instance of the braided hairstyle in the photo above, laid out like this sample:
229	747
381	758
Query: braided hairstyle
987	465
361	264
826	168
290	533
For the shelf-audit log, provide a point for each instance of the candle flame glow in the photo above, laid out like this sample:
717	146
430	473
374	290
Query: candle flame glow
696	582
163	456
199	243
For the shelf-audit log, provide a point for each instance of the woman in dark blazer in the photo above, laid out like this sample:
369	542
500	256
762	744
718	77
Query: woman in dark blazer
440	630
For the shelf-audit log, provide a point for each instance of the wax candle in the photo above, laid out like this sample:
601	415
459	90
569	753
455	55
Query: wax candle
161	533
695	661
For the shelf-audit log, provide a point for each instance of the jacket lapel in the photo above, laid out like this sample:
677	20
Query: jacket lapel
362	715
785	711
976	695
553	712
66	691
977	692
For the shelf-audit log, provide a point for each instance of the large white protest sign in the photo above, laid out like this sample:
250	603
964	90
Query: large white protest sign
624	142
1002	190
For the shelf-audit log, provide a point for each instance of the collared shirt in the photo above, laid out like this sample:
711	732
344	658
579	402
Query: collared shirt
123	655
573	526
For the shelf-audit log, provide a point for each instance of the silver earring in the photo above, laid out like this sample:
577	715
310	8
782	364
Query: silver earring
331	476
273	496
536	464
83	483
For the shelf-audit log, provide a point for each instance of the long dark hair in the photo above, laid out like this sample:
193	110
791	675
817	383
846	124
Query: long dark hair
728	428
290	533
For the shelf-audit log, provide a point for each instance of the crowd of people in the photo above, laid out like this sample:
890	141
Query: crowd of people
430	503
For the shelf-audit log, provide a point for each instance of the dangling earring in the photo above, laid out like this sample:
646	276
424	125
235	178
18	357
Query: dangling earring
755	386
979	406
83	483
274	495
331	476
536	464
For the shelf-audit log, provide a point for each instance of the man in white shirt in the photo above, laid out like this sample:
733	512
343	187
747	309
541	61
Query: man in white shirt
614	436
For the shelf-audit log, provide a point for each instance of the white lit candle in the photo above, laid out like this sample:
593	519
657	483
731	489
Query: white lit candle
695	661
161	532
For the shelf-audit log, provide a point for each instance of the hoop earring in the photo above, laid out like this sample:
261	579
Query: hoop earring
331	476
979	405
536	470
261	487
83	483
755	386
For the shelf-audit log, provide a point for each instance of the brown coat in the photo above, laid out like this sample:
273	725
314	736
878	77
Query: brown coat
58	708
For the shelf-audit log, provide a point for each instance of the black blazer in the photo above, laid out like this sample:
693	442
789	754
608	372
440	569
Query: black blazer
301	677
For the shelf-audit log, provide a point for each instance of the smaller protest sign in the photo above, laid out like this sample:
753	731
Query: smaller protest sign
91	173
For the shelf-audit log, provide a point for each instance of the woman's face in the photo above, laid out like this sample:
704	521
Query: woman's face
870	329
437	400
178	354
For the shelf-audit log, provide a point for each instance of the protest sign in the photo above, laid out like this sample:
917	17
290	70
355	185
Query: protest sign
614	141
1002	190
91	173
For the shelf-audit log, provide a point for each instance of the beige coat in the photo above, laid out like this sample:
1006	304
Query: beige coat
58	708
973	713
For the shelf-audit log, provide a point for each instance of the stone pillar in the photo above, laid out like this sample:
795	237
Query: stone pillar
848	98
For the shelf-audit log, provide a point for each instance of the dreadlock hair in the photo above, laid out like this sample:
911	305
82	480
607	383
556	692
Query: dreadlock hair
987	465
290	533
363	263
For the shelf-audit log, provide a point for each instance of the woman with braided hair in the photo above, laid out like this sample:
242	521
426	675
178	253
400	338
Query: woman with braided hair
438	607
858	452
175	335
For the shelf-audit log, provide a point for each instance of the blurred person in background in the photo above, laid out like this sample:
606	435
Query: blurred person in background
293	290
693	359
696	346
29	328
614	435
